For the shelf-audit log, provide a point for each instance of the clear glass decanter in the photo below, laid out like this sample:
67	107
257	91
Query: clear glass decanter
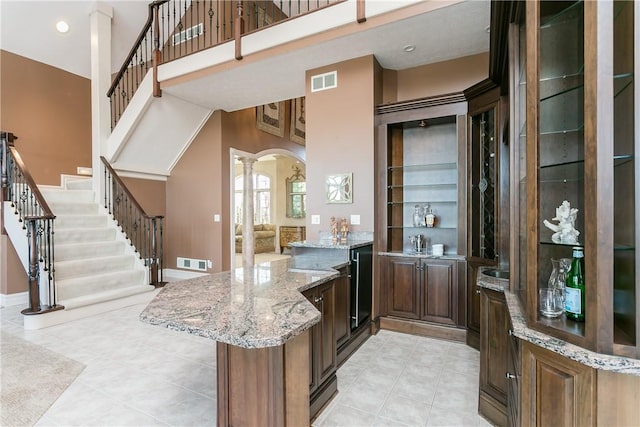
418	216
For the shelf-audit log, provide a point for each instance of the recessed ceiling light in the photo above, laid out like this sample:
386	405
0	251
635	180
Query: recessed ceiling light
409	48
62	27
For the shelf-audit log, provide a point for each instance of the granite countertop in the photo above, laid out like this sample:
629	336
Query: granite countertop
589	358
414	254
329	244
251	308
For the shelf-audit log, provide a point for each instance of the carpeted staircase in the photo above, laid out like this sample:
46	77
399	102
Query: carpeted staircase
93	261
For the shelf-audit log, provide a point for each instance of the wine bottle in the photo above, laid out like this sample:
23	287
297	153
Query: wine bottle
574	287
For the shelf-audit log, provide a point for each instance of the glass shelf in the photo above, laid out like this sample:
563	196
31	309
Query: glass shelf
425	167
542	242
562	172
571	13
551	87
441	202
620	160
423	186
402	227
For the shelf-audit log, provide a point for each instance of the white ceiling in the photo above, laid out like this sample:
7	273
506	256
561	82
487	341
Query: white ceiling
28	29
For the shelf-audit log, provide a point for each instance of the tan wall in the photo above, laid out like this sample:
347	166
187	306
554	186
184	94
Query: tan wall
151	194
199	187
340	134
435	79
50	111
13	278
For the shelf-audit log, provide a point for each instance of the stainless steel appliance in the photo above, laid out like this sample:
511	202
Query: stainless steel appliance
361	284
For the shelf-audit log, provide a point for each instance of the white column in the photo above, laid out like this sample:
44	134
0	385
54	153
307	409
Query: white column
100	82
248	238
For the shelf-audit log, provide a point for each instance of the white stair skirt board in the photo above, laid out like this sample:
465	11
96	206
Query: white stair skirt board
97	270
8	300
62	316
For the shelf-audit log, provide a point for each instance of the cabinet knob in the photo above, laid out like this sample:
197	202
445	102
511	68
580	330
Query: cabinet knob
318	300
477	291
510	332
509	376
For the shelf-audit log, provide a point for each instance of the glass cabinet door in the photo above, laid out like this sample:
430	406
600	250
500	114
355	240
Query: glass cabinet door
560	144
581	179
625	179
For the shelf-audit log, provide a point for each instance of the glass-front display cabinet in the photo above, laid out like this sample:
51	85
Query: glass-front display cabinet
576	132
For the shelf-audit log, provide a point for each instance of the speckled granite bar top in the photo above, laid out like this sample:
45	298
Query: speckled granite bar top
329	244
251	308
413	254
589	358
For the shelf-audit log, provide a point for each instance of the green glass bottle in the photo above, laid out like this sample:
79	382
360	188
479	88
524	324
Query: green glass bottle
574	287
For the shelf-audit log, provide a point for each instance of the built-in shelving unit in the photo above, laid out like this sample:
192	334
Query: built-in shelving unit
422	172
577	143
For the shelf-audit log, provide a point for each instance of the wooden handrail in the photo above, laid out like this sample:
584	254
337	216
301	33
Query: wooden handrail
132	52
47	212
122	185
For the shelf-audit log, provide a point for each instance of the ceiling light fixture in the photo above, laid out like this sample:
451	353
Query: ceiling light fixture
62	27
409	48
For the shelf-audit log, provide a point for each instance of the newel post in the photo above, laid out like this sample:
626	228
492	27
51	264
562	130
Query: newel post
157	54
7	139
238	30
34	267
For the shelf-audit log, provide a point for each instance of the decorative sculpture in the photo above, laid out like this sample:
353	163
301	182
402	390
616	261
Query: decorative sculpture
344	230
564	231
334	229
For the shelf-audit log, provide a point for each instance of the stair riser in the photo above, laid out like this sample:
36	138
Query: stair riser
68	196
95	266
79	184
84	236
74	208
74	288
79	251
81	221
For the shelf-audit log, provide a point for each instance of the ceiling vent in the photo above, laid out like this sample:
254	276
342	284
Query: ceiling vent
324	81
187	34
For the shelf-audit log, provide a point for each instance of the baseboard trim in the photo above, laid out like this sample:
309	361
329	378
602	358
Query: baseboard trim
423	329
9	300
172	274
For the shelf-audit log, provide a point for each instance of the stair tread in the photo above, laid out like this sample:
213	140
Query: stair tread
98	276
95	259
104	296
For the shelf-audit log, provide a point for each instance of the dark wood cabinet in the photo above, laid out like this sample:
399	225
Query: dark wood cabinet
494	348
513	375
403	287
342	305
322	348
556	391
422	289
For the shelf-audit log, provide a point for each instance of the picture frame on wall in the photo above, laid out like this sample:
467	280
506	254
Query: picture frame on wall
297	129
270	118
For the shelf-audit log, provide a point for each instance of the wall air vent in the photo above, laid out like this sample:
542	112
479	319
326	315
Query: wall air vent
194	264
324	81
187	34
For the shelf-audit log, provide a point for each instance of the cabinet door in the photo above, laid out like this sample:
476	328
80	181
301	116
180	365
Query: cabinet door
513	380
326	341
312	295
342	318
403	288
556	391
439	291
494	348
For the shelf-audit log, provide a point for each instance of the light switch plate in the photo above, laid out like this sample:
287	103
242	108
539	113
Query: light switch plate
315	219
216	218
355	220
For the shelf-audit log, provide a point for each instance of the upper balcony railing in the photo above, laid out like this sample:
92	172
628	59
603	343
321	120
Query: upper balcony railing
176	28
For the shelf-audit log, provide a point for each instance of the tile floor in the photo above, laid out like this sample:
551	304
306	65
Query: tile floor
141	375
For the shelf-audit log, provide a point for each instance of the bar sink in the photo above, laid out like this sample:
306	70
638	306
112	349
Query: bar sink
498	274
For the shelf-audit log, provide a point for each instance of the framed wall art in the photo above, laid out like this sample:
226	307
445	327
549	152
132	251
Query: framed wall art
270	118
297	128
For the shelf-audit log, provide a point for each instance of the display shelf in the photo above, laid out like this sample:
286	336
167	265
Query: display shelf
566	245
562	326
621	82
423	167
399	227
552	87
432	202
562	172
444	186
569	14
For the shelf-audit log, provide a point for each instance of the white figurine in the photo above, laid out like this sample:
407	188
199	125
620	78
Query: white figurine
564	231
